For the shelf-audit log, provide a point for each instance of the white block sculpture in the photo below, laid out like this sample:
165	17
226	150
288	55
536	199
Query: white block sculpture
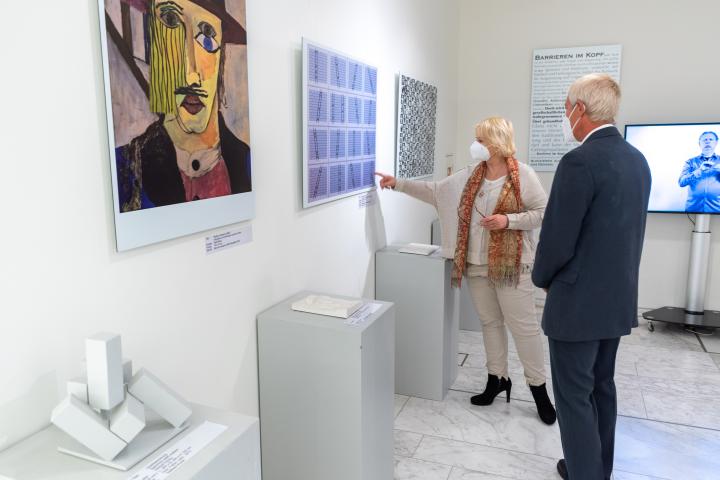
104	371
128	419
156	395
78	388
86	426
107	421
127	370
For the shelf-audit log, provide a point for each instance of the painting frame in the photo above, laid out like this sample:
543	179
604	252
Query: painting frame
367	182
141	227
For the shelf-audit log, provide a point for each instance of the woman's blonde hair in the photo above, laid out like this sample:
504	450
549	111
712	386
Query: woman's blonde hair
498	133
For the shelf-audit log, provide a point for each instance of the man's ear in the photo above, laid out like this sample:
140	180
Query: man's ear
582	109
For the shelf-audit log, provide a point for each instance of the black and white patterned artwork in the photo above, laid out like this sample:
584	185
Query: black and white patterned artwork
416	128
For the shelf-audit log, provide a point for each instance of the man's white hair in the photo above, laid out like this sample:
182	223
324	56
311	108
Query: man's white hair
599	93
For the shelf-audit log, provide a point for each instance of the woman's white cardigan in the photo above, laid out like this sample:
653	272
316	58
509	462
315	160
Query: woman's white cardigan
445	197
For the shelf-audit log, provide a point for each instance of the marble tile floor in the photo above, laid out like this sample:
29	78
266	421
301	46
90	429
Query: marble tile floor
668	384
711	342
716	358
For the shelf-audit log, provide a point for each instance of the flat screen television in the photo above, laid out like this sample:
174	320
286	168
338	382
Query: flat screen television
684	159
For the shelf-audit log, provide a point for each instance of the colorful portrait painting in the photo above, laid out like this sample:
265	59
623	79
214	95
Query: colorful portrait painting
176	82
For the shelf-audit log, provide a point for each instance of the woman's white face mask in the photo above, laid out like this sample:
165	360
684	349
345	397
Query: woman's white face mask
567	128
479	152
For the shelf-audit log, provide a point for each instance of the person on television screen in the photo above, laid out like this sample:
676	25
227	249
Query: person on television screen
702	175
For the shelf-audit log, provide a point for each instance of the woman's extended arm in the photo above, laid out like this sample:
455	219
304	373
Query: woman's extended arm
423	191
534	200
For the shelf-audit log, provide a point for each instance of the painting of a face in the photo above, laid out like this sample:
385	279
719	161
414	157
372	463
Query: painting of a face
185	62
176	77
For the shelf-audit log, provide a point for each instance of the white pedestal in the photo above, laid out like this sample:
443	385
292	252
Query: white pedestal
467	313
326	395
235	454
426	333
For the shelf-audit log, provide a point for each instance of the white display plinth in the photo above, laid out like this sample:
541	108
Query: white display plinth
466	311
426	334
326	394
235	454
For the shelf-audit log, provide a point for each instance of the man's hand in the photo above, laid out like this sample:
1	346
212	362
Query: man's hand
386	181
703	169
495	222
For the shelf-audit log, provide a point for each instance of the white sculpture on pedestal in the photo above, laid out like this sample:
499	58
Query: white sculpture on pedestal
107	413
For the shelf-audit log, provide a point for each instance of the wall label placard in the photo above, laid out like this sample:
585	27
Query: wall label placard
228	239
553	71
339	125
183	450
367	199
363	314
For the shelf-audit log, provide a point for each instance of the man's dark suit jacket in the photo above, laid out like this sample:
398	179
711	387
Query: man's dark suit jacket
592	238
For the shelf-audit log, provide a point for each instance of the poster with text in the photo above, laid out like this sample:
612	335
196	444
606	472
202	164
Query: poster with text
553	71
178	123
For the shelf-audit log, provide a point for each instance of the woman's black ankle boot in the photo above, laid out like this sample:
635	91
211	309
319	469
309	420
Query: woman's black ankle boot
542	401
494	387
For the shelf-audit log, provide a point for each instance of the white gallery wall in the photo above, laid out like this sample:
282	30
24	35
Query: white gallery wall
670	73
188	317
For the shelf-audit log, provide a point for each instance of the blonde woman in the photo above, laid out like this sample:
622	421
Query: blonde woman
487	214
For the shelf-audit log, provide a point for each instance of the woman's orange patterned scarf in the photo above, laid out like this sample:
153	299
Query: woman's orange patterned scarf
505	250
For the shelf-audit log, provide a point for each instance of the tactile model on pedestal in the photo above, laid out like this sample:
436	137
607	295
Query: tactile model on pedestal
117	418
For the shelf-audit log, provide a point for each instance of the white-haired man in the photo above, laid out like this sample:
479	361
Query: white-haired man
588	260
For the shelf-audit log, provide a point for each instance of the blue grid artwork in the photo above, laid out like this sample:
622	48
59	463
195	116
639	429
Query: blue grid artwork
354	174
337	144
338	108
354	143
368	172
354	110
318	66
341	109
317	110
318	181
318	144
371	80
370	110
356	76
369	143
338	72
337	178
